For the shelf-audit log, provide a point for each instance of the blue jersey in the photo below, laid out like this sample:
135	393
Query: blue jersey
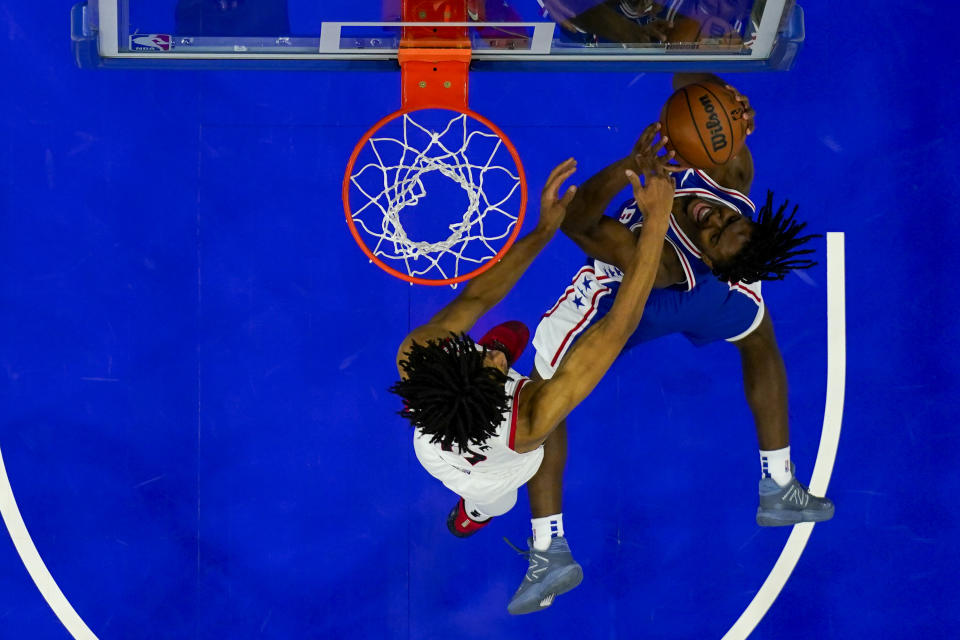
702	308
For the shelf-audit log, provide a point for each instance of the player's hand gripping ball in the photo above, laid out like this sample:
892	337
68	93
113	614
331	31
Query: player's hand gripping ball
705	123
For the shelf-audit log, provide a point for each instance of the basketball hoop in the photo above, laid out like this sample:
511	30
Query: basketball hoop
434	145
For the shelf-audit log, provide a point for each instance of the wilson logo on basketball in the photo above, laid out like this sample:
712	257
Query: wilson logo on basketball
704	124
718	138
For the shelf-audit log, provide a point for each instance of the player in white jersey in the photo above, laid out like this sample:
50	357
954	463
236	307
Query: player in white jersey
480	427
486	474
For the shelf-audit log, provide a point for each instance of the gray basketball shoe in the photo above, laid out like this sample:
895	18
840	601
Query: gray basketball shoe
792	504
551	573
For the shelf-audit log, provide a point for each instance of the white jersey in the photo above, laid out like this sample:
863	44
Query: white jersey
486	472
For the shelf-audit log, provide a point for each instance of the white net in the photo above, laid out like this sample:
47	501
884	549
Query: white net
438	198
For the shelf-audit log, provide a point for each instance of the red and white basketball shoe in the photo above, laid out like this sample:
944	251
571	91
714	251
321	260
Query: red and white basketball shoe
461	524
511	338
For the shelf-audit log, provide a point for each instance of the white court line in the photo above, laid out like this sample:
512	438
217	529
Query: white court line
34	563
829	440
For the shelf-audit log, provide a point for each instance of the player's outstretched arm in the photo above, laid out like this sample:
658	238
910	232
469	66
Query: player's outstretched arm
600	236
487	289
483	292
548	402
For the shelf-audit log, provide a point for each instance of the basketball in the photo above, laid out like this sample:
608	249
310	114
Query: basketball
705	125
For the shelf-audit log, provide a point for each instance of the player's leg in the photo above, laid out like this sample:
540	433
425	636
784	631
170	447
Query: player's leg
545	488
483	501
465	519
741	318
584	302
469	516
551	569
784	500
493	508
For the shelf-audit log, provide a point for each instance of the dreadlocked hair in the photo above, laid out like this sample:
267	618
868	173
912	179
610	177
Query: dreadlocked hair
449	393
770	253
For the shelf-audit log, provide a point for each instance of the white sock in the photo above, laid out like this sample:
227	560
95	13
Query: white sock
545	529
776	465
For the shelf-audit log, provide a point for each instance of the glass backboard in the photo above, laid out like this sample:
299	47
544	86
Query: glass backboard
542	35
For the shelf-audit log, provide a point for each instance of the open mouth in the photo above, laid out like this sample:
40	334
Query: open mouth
699	211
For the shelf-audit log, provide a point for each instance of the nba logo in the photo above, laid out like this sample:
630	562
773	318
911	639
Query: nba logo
627	214
150	42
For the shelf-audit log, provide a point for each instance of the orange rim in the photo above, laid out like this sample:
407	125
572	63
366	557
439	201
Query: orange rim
406	276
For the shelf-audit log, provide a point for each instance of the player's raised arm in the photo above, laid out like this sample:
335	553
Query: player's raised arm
585	364
490	287
487	289
600	236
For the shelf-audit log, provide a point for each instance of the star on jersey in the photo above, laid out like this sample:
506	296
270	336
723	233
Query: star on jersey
612	271
585	287
578	301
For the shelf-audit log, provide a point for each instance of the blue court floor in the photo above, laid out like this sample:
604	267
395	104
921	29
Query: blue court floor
194	420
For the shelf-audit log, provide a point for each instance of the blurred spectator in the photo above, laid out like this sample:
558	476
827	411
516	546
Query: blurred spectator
239	18
643	21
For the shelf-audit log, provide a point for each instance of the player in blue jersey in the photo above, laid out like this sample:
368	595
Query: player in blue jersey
716	251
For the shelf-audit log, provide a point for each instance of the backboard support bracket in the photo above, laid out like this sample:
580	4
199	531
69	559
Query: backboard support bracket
434	60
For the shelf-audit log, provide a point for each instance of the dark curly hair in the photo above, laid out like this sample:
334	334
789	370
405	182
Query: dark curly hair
770	253
450	394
